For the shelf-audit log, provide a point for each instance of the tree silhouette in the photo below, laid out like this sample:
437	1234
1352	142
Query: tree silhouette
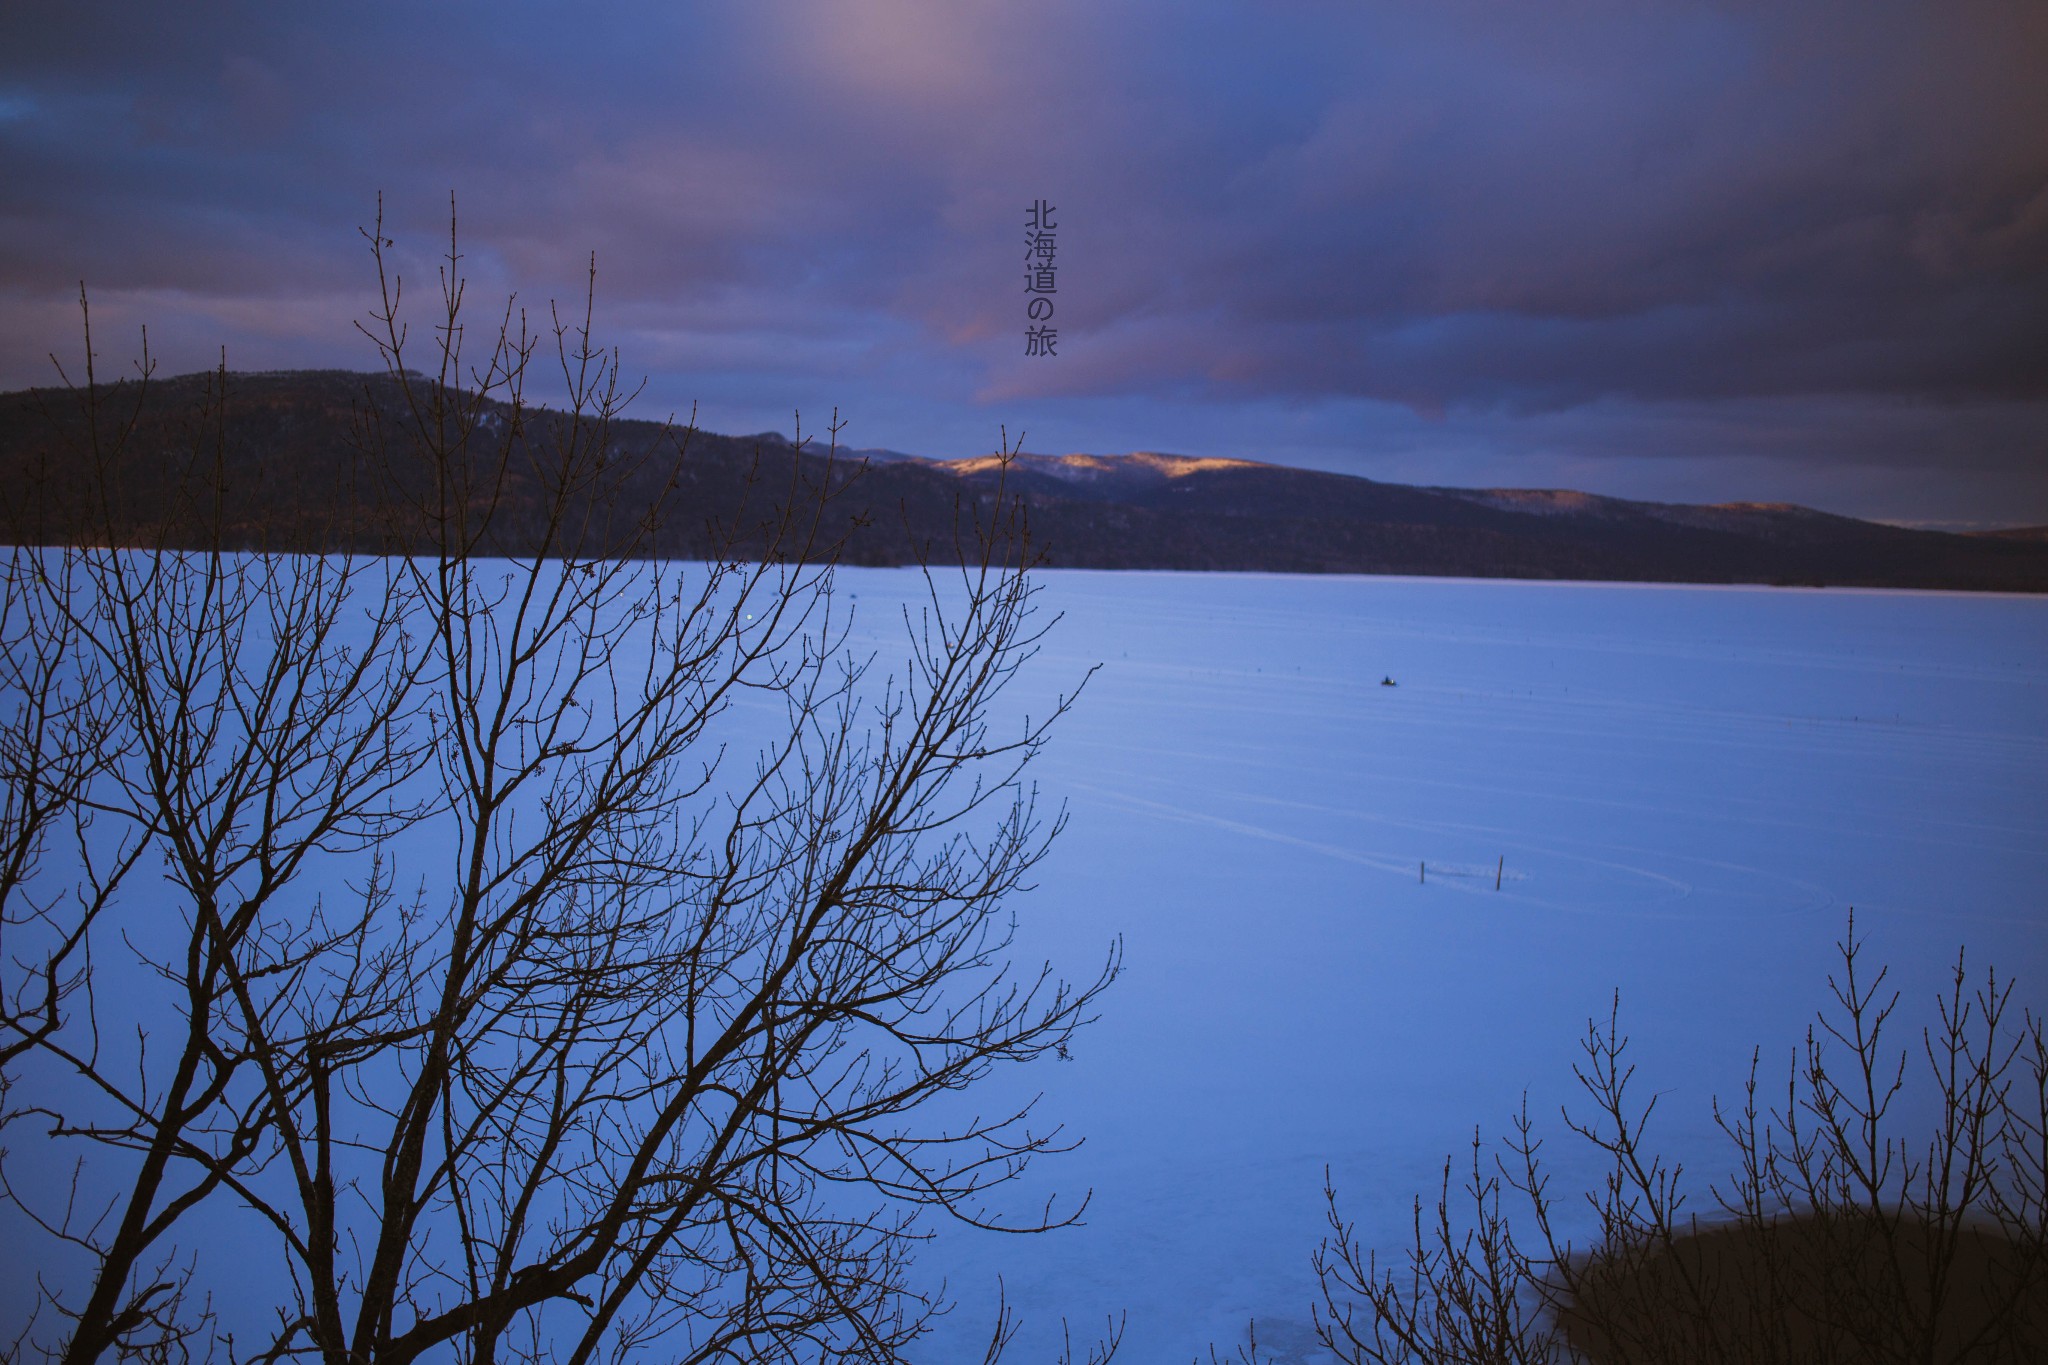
518	948
1836	1240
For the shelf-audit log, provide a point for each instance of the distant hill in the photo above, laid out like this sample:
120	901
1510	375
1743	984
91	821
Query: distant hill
292	476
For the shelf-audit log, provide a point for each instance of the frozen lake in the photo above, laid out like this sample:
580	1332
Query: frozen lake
1689	787
1683	790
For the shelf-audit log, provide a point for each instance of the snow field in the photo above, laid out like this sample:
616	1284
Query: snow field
1685	789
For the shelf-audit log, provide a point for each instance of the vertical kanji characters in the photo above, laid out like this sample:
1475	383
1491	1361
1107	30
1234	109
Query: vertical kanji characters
1040	277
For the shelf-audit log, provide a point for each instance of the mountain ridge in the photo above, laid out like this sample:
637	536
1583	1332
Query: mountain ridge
284	448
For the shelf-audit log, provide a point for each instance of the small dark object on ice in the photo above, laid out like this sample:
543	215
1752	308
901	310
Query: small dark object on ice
1388	682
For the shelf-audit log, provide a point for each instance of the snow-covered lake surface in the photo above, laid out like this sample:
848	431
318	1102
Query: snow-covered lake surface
1684	789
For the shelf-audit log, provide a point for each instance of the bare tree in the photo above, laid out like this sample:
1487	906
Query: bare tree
541	951
1837	1239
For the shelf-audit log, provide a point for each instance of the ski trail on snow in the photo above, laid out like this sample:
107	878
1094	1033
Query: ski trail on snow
1460	873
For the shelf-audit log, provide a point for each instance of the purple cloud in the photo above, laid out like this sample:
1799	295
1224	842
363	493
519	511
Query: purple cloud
1501	220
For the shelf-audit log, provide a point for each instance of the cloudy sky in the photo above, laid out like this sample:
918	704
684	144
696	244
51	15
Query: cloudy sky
1774	250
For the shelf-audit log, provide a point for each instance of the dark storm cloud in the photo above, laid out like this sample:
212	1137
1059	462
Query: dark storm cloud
1656	202
1468	211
